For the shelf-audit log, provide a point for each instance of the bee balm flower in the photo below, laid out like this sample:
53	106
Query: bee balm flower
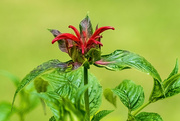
78	45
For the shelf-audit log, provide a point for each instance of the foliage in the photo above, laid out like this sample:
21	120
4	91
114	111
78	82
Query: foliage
27	101
73	94
130	94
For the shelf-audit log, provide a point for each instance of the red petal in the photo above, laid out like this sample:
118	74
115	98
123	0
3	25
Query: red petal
65	36
82	49
97	42
93	41
100	30
75	30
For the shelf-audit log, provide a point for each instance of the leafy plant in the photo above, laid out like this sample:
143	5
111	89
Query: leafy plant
74	94
132	96
27	101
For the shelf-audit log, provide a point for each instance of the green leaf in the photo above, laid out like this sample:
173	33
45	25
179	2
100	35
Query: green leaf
79	95
40	85
172	85
108	94
53	101
175	70
62	108
52	119
130	94
5	111
72	113
67	84
101	115
76	55
158	91
93	55
122	59
145	116
49	65
28	101
12	77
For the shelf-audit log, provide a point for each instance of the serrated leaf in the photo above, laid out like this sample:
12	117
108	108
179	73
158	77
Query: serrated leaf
49	65
130	94
67	84
5	111
122	59
101	115
175	70
172	85
110	97
145	116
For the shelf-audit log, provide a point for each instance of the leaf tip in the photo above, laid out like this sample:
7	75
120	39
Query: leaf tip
49	29
87	15
13	101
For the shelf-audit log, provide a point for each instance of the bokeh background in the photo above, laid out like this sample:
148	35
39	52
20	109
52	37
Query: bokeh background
150	28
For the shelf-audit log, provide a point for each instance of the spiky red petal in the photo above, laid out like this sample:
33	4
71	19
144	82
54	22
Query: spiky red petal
76	31
100	30
65	36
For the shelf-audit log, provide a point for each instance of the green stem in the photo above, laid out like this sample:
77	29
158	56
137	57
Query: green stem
21	116
21	108
86	96
129	115
142	107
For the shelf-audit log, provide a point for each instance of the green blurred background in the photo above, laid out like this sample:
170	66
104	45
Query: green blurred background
147	27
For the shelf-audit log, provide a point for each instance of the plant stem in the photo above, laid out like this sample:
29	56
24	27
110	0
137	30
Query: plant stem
86	96
21	116
142	107
129	115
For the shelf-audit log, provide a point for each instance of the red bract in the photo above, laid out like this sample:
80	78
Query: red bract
82	41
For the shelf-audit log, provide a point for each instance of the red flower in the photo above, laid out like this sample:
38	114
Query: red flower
83	42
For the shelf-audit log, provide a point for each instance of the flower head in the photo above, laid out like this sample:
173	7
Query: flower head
82	41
